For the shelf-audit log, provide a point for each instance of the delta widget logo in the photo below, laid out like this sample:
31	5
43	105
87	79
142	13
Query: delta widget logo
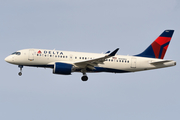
39	52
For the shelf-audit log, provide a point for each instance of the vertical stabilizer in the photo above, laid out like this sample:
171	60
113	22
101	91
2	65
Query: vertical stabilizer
159	47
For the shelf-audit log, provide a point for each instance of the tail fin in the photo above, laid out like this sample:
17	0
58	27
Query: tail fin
158	48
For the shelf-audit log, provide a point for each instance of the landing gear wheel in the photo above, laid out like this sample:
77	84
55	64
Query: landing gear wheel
84	78
20	73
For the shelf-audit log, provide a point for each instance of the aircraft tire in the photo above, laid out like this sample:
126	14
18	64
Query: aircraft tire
84	78
20	73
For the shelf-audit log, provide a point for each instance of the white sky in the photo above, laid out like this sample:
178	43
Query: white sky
89	26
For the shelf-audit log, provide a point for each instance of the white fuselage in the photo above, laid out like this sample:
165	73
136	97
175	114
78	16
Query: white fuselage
116	64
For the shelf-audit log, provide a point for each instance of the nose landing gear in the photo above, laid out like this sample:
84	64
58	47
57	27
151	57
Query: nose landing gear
20	73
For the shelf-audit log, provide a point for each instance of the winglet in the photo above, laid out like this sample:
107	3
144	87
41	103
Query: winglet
107	52
114	52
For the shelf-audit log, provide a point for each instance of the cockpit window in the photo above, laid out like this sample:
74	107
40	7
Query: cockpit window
16	53
13	53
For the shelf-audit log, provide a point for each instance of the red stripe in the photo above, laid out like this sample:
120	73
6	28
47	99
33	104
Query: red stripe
156	45
164	51
162	40
156	48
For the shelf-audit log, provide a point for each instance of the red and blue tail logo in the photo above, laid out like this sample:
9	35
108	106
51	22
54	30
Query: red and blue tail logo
159	47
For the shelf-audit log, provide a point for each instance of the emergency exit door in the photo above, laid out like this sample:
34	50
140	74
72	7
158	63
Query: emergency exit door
133	62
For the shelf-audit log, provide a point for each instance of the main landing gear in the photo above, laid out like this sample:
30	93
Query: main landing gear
20	73
84	77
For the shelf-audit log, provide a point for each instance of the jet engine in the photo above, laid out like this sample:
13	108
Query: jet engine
62	68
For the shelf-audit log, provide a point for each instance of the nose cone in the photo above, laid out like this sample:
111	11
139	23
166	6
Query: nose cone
8	59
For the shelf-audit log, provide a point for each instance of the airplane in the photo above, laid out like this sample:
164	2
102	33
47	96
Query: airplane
66	62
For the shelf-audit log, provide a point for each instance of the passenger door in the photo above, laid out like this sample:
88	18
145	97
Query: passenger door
31	55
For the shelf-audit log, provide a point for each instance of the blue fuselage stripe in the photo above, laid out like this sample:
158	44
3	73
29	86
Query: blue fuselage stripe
97	69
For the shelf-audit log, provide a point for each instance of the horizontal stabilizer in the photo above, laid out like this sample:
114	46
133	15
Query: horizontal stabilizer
160	62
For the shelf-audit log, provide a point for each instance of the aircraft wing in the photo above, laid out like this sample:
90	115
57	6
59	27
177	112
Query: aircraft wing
94	62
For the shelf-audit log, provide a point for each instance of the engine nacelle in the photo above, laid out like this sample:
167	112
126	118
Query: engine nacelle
62	68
